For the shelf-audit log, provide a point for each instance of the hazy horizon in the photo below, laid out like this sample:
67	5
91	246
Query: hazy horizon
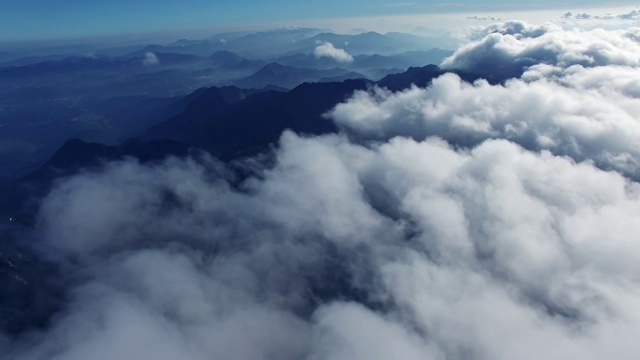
73	22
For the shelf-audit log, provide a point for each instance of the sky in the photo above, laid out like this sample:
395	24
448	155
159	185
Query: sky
69	19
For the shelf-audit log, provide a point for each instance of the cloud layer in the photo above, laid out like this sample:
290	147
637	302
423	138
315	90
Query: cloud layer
343	251
513	46
577	96
458	221
326	49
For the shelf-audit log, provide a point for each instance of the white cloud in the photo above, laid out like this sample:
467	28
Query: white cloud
344	251
513	46
150	59
326	49
631	15
483	18
583	121
578	97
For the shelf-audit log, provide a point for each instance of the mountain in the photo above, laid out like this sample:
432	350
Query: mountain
247	126
243	65
70	64
28	60
417	41
420	76
204	104
246	44
230	122
271	43
174	58
31	291
402	60
378	74
163	58
342	77
233	66
76	154
308	61
224	57
372	66
362	44
289	77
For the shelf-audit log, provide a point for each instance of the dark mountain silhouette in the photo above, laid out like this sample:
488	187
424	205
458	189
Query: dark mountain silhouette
239	128
31	292
228	121
76	154
343	77
204	104
420	76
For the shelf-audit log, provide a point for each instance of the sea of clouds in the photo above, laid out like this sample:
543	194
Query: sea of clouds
457	221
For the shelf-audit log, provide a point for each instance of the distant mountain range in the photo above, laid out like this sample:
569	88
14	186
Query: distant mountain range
263	45
107	98
289	77
110	94
228	63
229	122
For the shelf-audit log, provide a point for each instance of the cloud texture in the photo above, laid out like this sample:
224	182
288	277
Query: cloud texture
515	45
577	96
326	49
460	221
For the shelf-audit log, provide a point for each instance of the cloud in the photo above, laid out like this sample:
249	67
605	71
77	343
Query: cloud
401	4
483	18
509	48
449	222
344	251
326	49
150	59
586	118
631	15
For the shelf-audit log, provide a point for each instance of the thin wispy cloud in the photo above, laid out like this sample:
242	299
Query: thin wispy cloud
631	15
401	4
483	18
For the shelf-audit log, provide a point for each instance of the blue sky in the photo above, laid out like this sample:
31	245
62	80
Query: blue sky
47	19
